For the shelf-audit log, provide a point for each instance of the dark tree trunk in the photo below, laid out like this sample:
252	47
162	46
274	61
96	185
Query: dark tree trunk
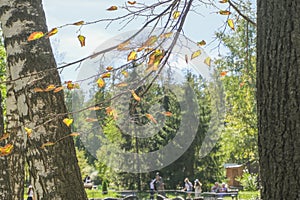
54	170
278	96
5	190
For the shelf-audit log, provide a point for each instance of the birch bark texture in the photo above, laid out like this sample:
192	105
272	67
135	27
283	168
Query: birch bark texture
54	170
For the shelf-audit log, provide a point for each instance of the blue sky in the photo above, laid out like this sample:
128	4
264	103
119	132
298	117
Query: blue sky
60	12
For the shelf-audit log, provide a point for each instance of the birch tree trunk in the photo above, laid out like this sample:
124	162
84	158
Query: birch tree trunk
278	96
54	169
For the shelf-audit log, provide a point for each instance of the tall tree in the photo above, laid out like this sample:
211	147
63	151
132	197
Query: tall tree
278	97
54	170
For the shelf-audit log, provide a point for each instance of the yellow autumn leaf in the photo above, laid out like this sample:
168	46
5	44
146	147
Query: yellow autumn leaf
168	114
58	89
223	1
74	134
132	56
106	75
47	144
151	118
112	8
223	73
100	82
207	61
150	41
166	35
123	46
201	43
81	39
4	136
50	88
131	2
7	149
35	36
112	112
28	131
154	60
52	32
125	74
135	96
78	23
224	12
176	14
95	108
109	68
195	54
230	23
68	121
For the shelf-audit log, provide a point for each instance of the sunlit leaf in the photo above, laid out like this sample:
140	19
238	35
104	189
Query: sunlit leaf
68	121
135	96
151	118
166	35
132	56
35	36
125	74
150	41
47	144
123	46
106	75
112	112
121	84
168	114
100	82
224	12
109	68
108	110
176	14
58	89
50	88
201	43
81	39
131	2
70	85
95	108
223	73
74	134
28	131
230	23
223	1
112	8
196	54
88	119
38	90
4	136
207	61
52	32
78	23
7	149
155	59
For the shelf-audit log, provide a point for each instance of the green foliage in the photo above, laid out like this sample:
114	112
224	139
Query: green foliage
248	181
239	140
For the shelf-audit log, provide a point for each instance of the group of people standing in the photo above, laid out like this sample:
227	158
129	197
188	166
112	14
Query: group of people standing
157	184
189	187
